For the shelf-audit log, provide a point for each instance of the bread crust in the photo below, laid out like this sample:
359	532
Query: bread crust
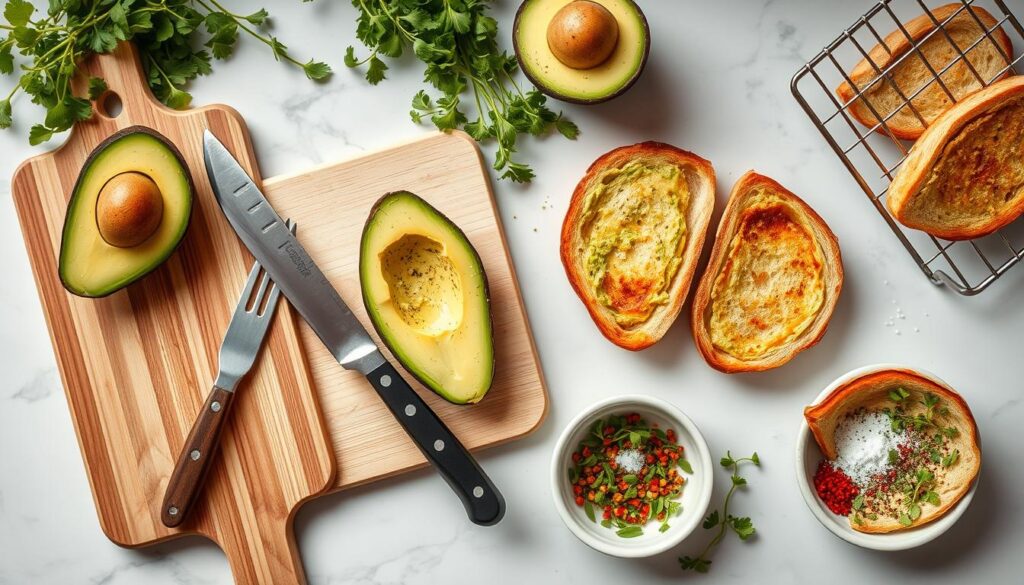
914	172
895	46
727	228
859	391
700	174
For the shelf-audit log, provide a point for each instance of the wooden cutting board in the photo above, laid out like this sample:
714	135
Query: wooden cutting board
330	203
137	365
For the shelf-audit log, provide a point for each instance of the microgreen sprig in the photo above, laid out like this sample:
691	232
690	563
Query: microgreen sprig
742	526
457	41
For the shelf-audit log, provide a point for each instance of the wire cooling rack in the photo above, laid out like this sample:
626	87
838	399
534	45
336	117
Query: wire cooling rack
873	154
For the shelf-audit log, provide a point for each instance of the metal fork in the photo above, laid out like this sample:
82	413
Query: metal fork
238	351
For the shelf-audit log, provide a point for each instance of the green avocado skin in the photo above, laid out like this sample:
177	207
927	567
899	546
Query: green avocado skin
104	159
562	89
423	214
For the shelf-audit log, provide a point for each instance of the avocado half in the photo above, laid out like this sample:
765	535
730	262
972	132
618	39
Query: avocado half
581	86
426	293
89	265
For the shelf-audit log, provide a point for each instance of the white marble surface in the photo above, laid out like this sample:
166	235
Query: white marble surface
718	84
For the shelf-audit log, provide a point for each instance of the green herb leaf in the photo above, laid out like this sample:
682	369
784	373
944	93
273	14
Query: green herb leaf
951	458
631	531
858	502
5	113
96	87
755	459
664	527
375	73
894	456
685	466
905	520
727	461
18	12
743	527
588	509
712	520
39	134
629	478
737	480
914	512
317	70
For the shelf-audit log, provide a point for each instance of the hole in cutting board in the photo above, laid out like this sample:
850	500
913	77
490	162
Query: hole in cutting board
110	105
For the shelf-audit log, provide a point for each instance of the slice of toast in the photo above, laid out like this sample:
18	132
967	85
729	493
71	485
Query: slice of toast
871	393
911	73
772	282
964	178
621	244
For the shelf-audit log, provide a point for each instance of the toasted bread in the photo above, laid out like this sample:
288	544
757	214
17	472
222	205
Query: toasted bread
911	73
632	236
772	282
871	393
964	178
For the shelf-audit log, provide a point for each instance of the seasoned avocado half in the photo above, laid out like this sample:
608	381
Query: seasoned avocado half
128	211
425	290
581	51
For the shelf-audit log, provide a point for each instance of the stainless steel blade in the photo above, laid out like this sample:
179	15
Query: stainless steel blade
263	231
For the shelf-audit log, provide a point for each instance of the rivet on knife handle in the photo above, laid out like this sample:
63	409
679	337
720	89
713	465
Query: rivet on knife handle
195	458
484	503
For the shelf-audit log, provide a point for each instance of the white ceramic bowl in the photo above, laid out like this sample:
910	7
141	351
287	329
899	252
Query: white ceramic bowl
808	455
695	497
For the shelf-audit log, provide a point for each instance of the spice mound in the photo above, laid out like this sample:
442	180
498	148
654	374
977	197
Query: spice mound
631	471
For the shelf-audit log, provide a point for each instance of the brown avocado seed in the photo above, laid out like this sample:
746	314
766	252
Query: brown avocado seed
129	209
583	34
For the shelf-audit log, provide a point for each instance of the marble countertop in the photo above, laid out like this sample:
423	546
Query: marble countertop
717	84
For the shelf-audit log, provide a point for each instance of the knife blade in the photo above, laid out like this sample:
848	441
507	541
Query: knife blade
264	233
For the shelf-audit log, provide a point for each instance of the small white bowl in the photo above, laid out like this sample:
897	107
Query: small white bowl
696	491
808	455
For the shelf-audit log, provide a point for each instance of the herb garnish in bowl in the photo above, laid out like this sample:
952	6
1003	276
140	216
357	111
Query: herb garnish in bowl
629	471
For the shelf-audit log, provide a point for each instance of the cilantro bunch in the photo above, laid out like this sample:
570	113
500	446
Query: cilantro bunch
457	41
166	32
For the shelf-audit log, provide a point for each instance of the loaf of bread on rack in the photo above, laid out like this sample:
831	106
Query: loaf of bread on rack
772	282
988	59
964	178
632	236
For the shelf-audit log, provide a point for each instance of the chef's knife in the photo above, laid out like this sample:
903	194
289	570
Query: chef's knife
263	231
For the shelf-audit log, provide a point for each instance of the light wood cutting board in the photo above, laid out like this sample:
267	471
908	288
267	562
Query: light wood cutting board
330	203
137	365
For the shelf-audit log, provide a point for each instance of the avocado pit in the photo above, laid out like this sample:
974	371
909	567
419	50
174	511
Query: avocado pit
583	34
425	288
128	209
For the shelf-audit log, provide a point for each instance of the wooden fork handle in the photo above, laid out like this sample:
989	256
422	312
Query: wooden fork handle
195	458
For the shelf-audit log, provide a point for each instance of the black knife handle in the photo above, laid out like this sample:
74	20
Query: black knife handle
484	503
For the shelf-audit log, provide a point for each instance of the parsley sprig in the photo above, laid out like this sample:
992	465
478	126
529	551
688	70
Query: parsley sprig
165	31
457	41
742	526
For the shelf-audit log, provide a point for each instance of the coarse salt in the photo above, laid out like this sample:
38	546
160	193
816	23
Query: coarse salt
863	441
630	460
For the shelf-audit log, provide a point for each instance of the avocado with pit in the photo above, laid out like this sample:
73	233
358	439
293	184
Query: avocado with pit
127	213
581	51
425	291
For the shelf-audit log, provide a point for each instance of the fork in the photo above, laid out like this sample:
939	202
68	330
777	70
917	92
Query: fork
238	351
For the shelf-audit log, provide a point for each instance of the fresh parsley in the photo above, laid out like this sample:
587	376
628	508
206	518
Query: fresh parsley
177	40
457	41
742	526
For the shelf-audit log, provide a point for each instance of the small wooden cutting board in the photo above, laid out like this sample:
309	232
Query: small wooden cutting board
137	365
330	204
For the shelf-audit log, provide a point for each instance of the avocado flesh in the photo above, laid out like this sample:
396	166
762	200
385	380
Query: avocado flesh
88	265
583	85
425	291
